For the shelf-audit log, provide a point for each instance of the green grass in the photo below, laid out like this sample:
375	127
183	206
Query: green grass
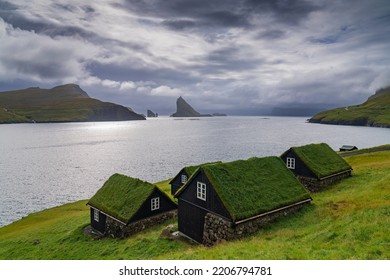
321	159
254	186
374	112
67	103
121	196
348	221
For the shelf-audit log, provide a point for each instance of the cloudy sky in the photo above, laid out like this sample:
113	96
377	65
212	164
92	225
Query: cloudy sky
233	56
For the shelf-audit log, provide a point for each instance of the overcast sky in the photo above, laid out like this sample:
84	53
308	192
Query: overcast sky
221	55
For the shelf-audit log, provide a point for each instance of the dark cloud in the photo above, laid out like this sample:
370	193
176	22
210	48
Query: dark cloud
271	34
179	14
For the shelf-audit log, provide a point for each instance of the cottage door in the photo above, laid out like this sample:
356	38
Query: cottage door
191	220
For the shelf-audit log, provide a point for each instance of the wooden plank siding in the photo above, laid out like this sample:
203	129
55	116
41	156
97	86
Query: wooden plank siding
145	210
300	167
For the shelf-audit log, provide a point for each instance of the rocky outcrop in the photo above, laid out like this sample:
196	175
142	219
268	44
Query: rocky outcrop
150	114
183	109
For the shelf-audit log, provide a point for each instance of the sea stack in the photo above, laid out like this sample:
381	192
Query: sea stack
183	109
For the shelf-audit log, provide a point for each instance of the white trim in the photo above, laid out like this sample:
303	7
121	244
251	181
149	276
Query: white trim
155	203
107	214
201	190
290	162
273	211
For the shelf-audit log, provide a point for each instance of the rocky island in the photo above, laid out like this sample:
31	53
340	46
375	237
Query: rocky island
65	103
374	112
183	109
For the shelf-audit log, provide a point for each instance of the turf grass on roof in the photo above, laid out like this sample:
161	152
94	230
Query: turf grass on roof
254	186
121	196
321	159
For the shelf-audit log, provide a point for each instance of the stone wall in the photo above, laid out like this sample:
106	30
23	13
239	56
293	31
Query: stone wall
315	185
117	229
218	229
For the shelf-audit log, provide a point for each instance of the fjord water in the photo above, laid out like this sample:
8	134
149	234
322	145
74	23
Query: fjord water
45	165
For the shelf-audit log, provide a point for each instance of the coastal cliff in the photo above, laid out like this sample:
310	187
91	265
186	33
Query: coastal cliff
374	112
65	103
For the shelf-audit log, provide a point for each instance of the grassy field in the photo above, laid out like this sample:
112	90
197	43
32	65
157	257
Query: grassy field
374	112
348	221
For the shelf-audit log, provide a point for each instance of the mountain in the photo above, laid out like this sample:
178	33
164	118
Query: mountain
374	112
183	109
65	103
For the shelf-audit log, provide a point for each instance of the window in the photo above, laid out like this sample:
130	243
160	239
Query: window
155	202
291	163
183	179
201	191
96	215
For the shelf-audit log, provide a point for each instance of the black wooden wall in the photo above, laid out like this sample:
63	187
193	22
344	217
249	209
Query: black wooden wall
300	167
146	211
101	225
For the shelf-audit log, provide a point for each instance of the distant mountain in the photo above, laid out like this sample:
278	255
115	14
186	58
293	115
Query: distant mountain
150	114
65	103
374	112
183	109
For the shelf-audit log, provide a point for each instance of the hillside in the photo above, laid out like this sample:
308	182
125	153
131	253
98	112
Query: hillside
66	103
348	221
374	112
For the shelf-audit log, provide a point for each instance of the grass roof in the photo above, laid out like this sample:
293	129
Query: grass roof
121	196
321	159
254	186
191	169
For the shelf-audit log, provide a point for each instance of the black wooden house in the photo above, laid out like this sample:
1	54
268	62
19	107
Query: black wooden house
224	201
181	178
316	165
126	205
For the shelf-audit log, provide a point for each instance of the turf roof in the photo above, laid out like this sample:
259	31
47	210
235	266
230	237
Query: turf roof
121	196
191	169
254	186
321	159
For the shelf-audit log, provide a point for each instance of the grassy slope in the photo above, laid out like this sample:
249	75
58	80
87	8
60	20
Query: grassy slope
375	112
348	221
60	104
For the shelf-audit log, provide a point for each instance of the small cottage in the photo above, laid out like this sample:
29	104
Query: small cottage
126	205
181	178
316	165
347	148
225	201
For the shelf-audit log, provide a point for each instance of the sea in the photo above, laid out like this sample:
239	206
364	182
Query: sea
46	165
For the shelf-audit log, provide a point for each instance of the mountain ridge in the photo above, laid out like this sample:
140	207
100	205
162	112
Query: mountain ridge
375	111
64	103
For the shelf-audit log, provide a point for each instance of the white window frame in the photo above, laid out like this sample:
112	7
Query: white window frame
96	215
155	203
184	178
290	162
201	191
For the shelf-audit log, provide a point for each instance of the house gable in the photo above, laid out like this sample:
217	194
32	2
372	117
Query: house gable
165	204
320	159
300	167
176	182
212	202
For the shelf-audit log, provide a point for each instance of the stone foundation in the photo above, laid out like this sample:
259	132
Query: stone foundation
315	185
218	229
117	229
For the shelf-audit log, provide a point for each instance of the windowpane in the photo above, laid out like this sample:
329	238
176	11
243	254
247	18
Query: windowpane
155	203
291	163
201	191
183	179
96	215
